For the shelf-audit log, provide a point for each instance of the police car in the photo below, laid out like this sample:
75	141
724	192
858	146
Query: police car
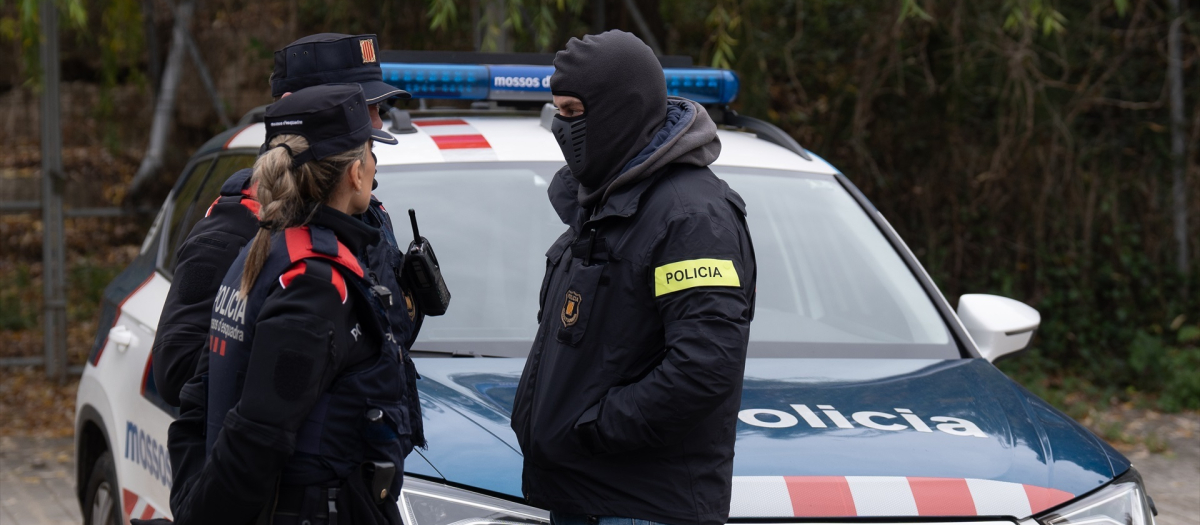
867	396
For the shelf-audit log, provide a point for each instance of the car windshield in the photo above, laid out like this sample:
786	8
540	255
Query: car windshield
829	282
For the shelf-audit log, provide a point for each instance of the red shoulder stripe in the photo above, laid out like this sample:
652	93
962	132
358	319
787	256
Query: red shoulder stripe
299	246
340	283
251	205
246	200
295	270
299	268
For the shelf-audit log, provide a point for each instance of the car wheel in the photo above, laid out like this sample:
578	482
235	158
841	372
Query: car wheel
102	506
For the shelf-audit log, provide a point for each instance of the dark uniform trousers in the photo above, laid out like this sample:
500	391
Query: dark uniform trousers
628	401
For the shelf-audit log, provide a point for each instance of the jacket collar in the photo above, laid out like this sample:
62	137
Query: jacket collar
354	233
564	197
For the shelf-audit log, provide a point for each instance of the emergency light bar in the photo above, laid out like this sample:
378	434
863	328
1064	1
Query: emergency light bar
532	83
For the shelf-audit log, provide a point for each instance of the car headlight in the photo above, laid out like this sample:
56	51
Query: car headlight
429	503
1121	502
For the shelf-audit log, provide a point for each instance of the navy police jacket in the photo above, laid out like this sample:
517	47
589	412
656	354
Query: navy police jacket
628	401
179	359
305	379
208	251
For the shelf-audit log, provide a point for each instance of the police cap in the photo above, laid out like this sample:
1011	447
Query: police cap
327	58
333	118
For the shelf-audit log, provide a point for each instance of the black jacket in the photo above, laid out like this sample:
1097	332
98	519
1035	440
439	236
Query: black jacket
202	260
183	328
307	335
628	402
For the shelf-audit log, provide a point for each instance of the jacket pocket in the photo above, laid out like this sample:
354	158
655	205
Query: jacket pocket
578	302
553	255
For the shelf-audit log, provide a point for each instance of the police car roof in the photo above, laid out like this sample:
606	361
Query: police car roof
523	139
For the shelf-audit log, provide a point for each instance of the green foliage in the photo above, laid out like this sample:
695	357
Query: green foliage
442	14
86	280
1034	15
532	23
18	301
21	300
1172	370
722	23
120	51
25	28
911	9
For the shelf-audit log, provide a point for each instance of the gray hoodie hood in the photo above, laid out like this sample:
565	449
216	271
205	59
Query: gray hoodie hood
688	136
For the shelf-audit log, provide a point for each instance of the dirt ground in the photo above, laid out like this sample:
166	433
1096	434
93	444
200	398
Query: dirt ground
37	471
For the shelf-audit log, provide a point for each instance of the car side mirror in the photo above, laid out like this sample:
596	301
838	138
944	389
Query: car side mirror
1000	326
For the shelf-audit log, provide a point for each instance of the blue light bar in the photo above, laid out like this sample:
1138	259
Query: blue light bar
706	86
532	83
444	81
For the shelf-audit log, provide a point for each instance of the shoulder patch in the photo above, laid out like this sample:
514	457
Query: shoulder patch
682	275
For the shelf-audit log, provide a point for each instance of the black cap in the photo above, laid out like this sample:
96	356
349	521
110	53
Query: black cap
333	118
328	58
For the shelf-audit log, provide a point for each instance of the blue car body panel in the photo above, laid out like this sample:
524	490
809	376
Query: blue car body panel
1023	440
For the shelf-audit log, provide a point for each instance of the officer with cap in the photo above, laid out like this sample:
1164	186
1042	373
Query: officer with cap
628	402
300	322
180	360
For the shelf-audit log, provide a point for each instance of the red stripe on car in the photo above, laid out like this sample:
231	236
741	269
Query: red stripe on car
942	496
817	496
129	499
461	141
441	122
1041	498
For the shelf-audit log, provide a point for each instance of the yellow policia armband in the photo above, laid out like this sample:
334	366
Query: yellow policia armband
697	272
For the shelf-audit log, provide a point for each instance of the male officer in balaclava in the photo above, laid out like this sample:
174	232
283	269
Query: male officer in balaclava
628	402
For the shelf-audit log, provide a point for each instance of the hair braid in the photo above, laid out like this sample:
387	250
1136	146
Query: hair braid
290	196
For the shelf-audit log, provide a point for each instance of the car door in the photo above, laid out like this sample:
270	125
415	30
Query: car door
140	433
142	417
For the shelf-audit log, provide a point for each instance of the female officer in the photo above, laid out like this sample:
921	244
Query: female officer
307	390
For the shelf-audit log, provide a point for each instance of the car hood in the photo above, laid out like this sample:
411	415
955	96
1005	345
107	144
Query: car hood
867	430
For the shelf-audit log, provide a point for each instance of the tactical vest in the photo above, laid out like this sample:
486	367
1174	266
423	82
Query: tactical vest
343	429
385	261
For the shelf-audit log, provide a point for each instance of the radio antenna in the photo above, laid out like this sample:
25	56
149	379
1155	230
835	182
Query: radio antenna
412	218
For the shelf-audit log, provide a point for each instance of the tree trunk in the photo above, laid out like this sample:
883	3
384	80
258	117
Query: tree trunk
160	128
206	79
1178	150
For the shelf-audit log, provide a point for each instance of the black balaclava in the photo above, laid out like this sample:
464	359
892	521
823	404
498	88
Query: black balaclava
624	95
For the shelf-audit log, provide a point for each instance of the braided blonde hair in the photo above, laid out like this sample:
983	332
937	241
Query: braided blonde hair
290	196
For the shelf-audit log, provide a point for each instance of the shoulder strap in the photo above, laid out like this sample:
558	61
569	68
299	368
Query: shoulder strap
237	183
318	268
315	242
238	189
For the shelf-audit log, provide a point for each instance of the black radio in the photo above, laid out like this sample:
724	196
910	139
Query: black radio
422	276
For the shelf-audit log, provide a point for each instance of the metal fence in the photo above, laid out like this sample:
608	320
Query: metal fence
54	304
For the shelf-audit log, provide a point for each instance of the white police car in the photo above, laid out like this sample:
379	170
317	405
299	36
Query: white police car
866	396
